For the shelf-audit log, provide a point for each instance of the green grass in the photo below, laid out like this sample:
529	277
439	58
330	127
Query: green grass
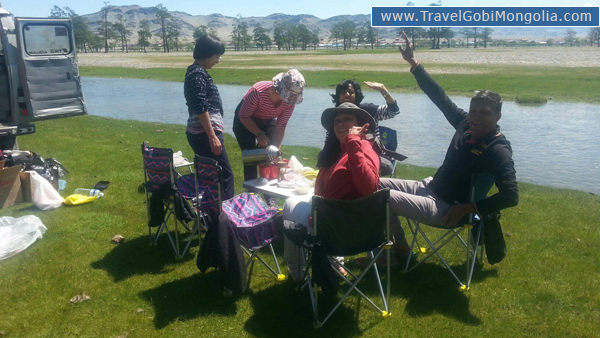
546	287
531	98
560	83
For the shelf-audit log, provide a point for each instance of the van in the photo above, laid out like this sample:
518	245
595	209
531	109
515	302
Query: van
39	78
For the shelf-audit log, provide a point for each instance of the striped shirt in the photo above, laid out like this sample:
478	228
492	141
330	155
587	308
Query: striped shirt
201	95
257	104
381	113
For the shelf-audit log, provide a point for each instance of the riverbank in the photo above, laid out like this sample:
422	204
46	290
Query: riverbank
563	74
547	285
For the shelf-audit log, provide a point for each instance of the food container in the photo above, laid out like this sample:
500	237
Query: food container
302	187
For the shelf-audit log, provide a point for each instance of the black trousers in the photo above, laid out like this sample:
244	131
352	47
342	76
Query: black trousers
247	140
200	145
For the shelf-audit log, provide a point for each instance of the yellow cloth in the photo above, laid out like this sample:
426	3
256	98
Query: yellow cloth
77	199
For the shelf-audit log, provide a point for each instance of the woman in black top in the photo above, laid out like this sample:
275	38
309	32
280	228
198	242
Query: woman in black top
205	123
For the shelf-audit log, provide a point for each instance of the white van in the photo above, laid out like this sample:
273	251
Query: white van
39	79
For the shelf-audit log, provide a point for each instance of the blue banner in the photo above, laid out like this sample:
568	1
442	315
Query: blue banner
450	16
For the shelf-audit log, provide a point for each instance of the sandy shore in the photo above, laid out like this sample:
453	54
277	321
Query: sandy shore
546	56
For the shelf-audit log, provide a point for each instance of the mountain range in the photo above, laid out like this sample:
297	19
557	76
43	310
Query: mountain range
223	25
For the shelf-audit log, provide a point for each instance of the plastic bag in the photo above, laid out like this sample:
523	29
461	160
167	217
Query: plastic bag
77	199
179	160
295	164
16	234
43	194
50	169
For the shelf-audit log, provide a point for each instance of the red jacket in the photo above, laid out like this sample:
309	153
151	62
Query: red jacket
354	175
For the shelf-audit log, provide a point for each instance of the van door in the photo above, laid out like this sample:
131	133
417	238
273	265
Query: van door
48	67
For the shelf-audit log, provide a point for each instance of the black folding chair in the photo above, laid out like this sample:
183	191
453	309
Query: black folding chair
347	228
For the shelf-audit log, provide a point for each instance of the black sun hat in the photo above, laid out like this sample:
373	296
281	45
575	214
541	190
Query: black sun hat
350	108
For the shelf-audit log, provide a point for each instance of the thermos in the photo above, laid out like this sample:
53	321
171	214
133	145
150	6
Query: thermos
269	155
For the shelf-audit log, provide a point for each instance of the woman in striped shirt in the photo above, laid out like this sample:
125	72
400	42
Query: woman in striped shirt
205	123
263	114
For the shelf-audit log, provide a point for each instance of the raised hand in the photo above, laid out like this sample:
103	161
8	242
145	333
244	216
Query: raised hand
408	53
376	86
361	131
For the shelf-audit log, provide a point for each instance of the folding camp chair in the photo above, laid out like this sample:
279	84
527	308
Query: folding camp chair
160	177
480	186
389	139
255	228
204	189
348	228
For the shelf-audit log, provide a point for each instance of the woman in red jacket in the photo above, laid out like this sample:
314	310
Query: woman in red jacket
353	174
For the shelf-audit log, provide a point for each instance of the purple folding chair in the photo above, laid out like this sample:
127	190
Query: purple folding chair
255	228
159	171
204	189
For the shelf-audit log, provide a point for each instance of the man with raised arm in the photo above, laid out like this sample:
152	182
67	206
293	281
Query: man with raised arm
478	146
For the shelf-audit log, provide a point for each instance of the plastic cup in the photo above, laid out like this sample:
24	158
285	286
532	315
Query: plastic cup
264	170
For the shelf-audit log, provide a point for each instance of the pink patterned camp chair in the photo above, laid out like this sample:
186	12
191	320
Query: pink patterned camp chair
255	227
158	172
204	188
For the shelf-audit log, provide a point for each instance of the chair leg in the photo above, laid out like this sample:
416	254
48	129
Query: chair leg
471	260
254	256
192	233
354	288
446	237
280	276
174	211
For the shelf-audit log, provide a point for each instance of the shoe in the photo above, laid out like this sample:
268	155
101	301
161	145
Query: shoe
297	281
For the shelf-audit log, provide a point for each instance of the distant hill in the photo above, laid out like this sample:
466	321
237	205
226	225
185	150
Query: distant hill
224	24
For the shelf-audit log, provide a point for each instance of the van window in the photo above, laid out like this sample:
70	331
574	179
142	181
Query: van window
46	39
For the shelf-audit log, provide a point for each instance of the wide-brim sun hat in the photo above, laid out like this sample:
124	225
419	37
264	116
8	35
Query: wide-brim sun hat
329	115
290	86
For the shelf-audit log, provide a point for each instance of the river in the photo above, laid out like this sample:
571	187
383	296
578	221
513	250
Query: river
555	144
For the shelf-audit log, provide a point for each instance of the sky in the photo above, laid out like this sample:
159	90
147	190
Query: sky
320	8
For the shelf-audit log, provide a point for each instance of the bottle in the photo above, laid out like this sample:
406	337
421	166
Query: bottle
88	192
281	170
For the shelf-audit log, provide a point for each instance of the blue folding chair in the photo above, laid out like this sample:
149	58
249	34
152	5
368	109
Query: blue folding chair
389	139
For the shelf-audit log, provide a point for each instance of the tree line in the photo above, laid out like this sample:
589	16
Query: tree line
285	35
113	34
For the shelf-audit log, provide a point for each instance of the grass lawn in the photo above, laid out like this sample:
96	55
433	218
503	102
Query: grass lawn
546	287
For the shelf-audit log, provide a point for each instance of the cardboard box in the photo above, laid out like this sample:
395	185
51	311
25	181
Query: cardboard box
10	187
26	186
